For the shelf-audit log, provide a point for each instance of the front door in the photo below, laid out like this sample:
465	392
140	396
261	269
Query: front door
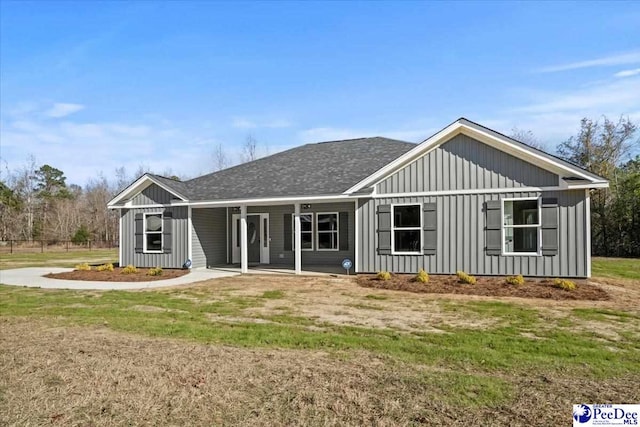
253	238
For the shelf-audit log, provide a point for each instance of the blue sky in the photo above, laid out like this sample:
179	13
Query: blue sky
90	86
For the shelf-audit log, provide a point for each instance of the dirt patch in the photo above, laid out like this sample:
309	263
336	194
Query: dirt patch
116	275
486	286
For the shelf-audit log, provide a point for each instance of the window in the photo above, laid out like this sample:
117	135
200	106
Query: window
306	231
327	226
153	232
406	230
521	226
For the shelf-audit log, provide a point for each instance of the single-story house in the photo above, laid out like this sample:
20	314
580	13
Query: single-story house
467	198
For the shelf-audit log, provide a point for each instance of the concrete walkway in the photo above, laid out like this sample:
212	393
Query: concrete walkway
32	277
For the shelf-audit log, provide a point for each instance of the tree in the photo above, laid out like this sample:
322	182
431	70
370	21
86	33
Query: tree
220	159
249	149
527	137
601	148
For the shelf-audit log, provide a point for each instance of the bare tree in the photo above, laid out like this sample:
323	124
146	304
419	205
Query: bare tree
249	149
527	137
220	159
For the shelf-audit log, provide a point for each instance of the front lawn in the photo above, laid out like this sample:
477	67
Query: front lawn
616	268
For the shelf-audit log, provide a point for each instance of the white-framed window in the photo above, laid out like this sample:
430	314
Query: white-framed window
327	231
306	231
521	226
406	229
153	232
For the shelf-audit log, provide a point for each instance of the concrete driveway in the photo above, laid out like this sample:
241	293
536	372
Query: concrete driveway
33	278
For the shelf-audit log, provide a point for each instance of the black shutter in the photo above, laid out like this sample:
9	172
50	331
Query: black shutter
287	232
493	227
167	224
344	231
384	230
139	233
549	226
429	222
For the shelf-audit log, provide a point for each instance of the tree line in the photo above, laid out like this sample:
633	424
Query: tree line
36	203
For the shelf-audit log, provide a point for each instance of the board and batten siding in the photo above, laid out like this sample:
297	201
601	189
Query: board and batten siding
277	253
465	163
461	238
179	239
209	236
152	195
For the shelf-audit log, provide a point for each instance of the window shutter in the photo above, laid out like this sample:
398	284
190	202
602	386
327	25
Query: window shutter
287	232
384	230
549	226
167	224
429	222
493	227
139	233
343	238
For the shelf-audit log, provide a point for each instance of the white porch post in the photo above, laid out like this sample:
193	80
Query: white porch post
244	259
297	238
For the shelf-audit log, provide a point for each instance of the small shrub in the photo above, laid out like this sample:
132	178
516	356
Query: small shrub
129	269
155	271
422	276
384	275
516	280
465	278
567	285
83	267
105	267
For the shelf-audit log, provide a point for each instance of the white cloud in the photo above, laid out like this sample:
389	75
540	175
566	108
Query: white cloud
627	73
245	123
62	110
616	59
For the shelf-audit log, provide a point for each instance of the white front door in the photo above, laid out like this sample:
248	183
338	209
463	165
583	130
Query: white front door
259	237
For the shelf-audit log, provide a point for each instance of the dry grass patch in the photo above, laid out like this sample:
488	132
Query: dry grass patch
116	275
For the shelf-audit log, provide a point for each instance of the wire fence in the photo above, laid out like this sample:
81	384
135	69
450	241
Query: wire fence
34	246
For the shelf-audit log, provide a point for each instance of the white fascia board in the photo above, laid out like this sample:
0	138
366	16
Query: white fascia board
477	132
139	185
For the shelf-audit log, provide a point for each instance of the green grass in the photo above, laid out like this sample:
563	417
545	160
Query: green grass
57	258
273	294
502	347
616	268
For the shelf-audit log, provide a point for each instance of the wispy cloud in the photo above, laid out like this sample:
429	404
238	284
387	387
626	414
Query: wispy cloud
627	73
246	123
606	61
62	110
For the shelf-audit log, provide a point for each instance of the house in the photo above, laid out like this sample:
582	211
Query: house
467	198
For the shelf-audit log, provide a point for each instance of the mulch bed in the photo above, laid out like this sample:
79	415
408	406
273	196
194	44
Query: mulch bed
117	276
486	286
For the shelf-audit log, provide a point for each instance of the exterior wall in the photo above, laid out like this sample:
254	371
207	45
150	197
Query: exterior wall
461	238
209	237
464	163
279	256
152	195
179	239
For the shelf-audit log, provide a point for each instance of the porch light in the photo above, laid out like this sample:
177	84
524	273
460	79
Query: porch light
306	206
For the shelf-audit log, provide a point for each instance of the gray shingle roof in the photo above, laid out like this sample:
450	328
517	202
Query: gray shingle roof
325	168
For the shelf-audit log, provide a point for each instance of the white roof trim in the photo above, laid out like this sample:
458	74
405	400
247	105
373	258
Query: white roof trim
481	134
139	185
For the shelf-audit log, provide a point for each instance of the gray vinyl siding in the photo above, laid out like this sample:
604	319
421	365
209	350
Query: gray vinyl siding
179	240
464	163
279	256
461	238
209	237
152	195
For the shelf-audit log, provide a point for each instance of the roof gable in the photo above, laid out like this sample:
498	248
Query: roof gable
140	190
494	139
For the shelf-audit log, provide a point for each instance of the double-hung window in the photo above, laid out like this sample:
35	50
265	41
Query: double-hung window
521	226
153	232
306	231
327	231
406	232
